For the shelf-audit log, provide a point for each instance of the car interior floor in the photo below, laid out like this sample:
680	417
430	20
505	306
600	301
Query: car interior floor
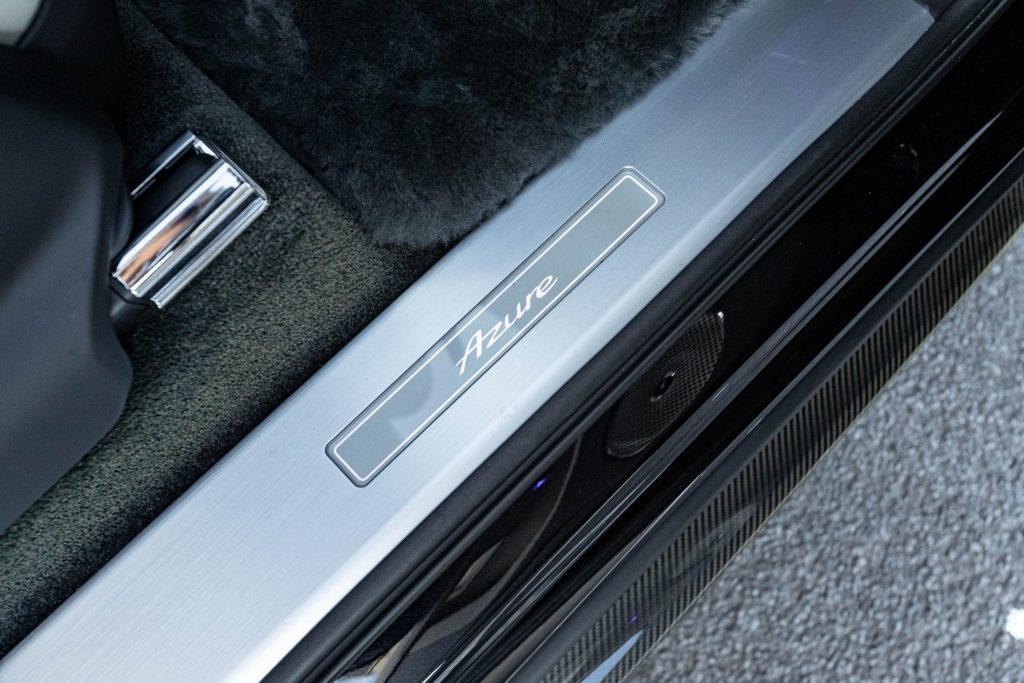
380	143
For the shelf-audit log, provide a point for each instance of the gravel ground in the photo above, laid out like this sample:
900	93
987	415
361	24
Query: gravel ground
901	556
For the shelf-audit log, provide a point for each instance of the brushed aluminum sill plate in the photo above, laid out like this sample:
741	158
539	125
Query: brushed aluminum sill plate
441	375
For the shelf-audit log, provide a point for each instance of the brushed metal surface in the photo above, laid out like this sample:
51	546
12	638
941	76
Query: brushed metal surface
424	391
234	574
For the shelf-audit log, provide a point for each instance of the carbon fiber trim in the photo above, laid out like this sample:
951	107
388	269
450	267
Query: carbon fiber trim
660	596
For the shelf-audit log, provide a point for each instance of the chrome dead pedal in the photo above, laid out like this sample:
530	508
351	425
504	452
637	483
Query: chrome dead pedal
191	202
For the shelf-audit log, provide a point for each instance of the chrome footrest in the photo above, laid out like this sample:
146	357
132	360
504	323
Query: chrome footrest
192	201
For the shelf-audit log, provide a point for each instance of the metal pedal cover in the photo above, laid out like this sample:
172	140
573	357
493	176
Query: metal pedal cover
191	202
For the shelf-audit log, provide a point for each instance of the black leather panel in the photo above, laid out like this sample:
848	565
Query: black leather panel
83	39
63	373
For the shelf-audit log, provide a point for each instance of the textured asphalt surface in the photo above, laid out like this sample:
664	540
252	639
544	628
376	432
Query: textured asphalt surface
901	556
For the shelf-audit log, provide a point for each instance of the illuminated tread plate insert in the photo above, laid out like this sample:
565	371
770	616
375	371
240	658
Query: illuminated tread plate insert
380	433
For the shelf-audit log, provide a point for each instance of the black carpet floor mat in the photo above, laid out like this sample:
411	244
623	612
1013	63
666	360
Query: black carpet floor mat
424	117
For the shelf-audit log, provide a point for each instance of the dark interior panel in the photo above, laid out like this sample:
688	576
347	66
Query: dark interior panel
64	373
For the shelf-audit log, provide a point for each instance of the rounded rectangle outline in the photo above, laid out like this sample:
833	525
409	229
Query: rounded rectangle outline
626	174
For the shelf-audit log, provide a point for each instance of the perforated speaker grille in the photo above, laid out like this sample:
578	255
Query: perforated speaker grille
667	389
638	619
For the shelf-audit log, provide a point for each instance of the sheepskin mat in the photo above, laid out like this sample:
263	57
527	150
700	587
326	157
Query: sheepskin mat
424	117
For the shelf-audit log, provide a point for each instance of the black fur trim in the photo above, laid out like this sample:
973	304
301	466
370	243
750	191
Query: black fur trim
424	117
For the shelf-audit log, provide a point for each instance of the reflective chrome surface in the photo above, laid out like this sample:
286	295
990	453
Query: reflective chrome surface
233	575
194	229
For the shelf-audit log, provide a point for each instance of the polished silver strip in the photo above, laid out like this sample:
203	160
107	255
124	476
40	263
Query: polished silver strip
416	399
227	581
190	233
